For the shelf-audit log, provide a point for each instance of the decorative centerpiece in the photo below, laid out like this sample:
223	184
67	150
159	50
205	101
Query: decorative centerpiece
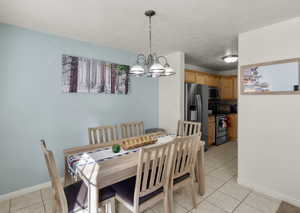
116	148
135	142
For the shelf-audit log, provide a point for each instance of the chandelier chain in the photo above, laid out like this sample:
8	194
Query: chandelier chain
150	36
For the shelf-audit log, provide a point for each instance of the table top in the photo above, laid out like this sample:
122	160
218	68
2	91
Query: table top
103	167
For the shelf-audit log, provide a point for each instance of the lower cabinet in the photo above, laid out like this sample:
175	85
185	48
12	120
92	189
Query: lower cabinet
232	128
211	130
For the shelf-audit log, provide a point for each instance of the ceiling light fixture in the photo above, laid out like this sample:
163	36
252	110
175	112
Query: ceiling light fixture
152	65
230	58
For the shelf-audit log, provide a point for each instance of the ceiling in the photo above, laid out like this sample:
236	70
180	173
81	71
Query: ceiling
203	29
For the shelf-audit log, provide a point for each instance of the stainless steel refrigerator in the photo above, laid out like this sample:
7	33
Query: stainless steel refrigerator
196	107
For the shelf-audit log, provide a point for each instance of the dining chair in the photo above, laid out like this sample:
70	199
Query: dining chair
132	129
103	134
150	185
184	159
74	197
187	128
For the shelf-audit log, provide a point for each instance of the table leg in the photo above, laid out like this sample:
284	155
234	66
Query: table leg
93	198
200	171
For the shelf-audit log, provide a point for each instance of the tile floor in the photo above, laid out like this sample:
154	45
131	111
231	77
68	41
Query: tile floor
223	194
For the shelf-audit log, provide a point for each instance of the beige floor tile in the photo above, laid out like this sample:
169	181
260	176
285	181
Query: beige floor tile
206	207
208	192
4	206
223	173
184	199
213	182
235	190
262	202
223	201
26	200
46	194
35	208
122	209
159	208
244	208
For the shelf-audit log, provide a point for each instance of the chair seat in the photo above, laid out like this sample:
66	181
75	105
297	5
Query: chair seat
77	195
181	178
125	190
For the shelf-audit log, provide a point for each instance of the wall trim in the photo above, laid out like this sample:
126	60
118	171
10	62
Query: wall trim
26	190
268	191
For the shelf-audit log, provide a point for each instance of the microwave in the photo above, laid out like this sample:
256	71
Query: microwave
213	93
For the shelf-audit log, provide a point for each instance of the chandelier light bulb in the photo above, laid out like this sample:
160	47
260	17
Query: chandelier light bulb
157	68
137	70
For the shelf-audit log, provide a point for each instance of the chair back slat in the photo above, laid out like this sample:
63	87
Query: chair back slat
59	198
132	129
103	134
153	169
185	152
187	128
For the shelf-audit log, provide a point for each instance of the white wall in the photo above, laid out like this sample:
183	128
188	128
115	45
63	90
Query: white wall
269	136
171	94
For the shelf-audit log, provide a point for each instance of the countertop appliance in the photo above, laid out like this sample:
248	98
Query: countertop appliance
221	129
196	107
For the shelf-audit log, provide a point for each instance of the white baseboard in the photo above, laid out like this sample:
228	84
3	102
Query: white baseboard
269	192
24	191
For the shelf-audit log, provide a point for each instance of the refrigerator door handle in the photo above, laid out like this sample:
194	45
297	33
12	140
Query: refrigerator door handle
186	101
199	107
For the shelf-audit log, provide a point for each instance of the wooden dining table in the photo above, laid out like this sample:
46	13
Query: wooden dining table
107	172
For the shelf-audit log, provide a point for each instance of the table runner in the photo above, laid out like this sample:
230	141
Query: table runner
102	154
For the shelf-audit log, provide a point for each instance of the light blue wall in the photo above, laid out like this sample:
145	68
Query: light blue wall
32	105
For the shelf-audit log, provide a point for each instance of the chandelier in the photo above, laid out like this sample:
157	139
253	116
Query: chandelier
152	65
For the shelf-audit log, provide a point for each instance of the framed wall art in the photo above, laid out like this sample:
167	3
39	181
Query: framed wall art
277	77
84	75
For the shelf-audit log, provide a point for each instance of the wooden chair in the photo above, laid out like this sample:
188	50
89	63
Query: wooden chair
103	134
184	159
132	129
187	128
72	198
151	182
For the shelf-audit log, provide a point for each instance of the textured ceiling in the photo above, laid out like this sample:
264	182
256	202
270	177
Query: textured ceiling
203	29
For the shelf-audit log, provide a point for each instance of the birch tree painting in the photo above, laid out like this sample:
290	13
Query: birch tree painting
83	75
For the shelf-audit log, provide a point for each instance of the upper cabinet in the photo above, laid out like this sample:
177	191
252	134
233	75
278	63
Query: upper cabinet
190	76
228	87
213	80
201	78
227	84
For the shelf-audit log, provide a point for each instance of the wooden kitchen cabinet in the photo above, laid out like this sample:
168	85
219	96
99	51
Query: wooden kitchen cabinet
211	129
215	81
201	78
228	90
232	128
226	84
235	88
190	76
